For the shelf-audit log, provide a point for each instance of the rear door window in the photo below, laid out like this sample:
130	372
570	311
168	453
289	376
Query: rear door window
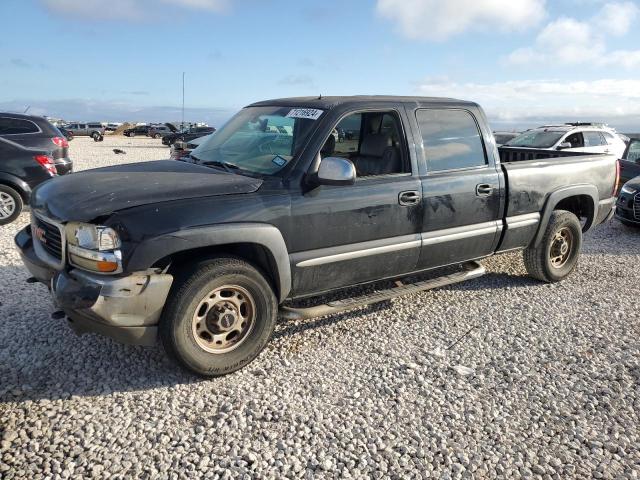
451	139
17	126
593	139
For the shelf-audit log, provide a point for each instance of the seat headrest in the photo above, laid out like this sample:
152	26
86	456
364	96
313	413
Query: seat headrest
373	145
329	146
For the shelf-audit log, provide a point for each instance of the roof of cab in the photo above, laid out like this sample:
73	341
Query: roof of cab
327	103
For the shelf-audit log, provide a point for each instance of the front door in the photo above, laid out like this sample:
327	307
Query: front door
345	235
461	190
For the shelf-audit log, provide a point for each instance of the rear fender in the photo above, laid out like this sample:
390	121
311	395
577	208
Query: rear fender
557	196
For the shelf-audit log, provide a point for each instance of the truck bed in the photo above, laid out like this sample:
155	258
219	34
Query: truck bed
532	181
520	154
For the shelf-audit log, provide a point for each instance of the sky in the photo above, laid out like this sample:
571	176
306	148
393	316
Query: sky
525	61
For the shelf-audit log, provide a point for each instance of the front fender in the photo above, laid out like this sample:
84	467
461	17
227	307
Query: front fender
150	251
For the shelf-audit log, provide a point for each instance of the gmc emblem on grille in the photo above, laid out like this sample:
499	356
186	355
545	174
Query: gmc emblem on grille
40	234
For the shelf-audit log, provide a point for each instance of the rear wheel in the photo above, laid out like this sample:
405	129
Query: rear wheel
219	317
157	135
11	204
95	136
557	254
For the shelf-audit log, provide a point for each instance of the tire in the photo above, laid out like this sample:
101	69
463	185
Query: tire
11	204
132	134
95	136
157	135
226	297
550	261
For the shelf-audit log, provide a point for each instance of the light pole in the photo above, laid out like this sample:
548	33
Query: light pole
182	123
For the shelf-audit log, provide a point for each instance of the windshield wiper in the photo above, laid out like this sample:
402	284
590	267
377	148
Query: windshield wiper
226	166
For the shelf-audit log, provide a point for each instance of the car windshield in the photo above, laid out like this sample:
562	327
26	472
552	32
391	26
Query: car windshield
259	140
536	139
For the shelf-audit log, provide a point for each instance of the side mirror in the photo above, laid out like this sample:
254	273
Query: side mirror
336	171
564	145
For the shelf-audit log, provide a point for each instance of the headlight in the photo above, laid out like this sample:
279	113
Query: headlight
629	190
94	248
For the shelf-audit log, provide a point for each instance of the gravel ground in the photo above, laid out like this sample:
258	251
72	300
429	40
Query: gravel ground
544	382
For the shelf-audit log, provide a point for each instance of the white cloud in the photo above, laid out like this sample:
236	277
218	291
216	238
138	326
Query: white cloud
572	42
598	100
128	9
441	19
616	18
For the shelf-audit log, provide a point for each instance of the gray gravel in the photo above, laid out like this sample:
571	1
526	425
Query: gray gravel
545	383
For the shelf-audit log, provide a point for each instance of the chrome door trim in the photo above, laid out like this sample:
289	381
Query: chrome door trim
458	233
352	251
525	220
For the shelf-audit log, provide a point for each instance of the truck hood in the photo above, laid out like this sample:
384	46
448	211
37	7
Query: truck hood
87	195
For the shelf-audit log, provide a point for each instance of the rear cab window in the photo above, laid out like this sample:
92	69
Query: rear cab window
451	139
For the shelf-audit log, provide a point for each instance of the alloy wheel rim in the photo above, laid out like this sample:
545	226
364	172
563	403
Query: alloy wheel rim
7	205
561	247
223	319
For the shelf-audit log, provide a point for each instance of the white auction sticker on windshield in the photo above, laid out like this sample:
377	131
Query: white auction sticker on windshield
309	113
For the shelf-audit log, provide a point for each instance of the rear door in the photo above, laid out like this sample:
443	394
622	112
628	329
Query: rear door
461	188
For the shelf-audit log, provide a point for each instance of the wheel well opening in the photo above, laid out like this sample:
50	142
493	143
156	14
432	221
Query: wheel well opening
21	192
581	206
257	255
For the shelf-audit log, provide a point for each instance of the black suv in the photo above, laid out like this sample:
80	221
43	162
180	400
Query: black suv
21	170
137	130
36	132
191	134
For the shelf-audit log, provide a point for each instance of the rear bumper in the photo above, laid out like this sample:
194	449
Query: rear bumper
606	209
126	309
64	166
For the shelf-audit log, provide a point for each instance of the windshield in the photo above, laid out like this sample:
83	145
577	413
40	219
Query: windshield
260	140
536	139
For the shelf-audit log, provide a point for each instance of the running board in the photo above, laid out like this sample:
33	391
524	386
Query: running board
471	270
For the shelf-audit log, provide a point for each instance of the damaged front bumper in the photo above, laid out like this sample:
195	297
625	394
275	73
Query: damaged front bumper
125	308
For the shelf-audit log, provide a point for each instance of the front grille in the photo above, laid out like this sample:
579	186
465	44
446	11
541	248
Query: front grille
49	236
636	206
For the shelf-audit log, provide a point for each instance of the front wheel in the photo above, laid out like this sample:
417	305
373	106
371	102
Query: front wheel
157	135
219	316
557	254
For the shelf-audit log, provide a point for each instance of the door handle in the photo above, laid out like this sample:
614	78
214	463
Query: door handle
411	197
484	190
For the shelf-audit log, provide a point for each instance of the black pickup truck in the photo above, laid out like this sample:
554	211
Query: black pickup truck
207	254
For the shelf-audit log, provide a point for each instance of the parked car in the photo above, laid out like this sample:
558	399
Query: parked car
207	254
628	204
159	131
503	137
181	150
21	170
572	137
93	130
137	130
630	161
37	132
187	136
66	133
112	127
